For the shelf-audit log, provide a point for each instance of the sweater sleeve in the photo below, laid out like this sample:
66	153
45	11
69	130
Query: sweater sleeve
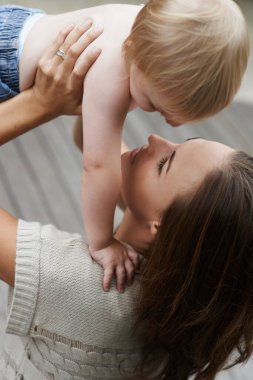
36	248
23	297
58	290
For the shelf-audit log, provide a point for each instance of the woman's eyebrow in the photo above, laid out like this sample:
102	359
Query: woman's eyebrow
192	138
170	160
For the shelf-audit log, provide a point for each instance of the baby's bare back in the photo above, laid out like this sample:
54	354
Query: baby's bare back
116	19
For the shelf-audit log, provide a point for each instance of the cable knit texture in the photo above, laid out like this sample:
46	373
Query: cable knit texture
73	329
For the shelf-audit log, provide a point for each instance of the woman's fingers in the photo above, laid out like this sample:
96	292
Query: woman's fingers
52	49
90	36
69	44
72	41
75	46
78	50
60	72
82	66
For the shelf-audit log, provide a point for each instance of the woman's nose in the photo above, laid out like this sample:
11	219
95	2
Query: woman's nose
156	141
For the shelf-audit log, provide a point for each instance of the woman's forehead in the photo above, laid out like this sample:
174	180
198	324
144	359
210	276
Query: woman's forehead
194	159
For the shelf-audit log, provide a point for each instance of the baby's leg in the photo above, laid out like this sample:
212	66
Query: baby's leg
13	20
35	40
78	133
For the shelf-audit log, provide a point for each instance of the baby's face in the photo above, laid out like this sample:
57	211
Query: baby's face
146	98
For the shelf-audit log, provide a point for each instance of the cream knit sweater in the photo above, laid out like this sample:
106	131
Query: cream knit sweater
65	326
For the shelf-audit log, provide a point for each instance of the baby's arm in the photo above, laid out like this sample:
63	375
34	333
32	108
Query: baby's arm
78	140
120	202
106	102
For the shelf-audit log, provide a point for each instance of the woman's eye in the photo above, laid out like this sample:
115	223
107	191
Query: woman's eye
161	164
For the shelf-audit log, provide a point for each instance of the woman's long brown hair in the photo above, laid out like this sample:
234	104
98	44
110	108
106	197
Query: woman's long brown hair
196	297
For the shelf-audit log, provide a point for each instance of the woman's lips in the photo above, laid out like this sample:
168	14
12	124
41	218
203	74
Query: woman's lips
135	152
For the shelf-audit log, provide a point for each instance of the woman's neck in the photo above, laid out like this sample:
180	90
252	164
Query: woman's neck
134	232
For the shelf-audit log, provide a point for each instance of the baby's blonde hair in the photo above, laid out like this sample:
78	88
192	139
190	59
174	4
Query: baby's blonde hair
193	51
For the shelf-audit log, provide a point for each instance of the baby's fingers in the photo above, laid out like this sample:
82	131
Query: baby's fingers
129	267
120	278
108	275
134	257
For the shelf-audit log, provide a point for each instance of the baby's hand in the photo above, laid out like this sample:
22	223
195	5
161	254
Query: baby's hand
118	259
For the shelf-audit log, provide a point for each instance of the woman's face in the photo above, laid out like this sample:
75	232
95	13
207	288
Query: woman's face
154	174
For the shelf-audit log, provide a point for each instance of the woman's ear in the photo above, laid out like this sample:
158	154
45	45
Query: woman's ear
153	227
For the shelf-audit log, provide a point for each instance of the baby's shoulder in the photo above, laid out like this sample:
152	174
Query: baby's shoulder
109	74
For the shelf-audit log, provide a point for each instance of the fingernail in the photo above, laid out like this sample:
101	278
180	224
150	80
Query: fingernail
96	50
98	29
70	26
87	22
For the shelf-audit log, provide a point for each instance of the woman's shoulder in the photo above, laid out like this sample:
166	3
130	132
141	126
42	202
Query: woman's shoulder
53	249
59	253
68	286
58	236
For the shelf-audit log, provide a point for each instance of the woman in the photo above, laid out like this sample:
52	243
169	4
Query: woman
189	213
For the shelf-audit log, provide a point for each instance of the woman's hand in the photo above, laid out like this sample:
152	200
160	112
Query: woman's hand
58	85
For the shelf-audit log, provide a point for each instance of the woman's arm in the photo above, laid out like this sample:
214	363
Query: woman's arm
8	228
58	85
57	82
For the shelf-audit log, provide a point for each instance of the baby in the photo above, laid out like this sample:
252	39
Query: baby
184	59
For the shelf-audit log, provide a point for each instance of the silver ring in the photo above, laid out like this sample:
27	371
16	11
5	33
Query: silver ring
61	53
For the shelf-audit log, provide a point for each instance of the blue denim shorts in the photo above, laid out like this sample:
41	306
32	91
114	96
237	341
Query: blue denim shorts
12	19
